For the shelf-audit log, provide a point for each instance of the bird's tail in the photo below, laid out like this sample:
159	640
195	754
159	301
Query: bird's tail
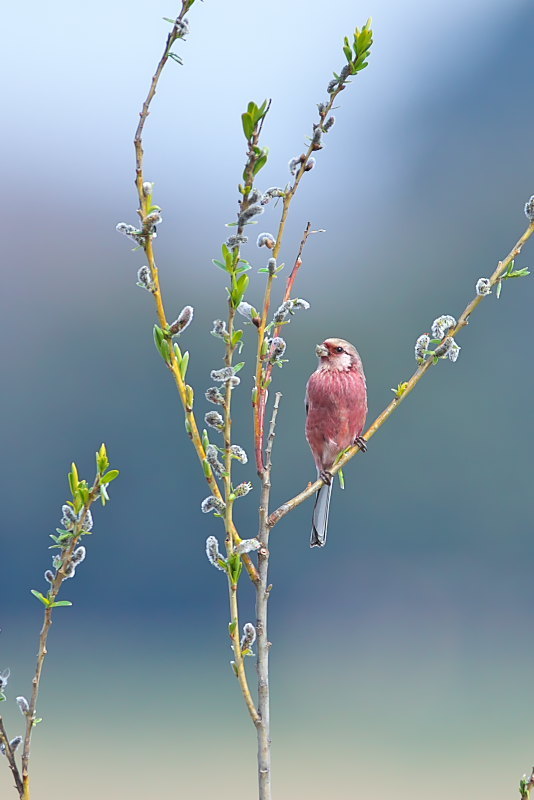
320	516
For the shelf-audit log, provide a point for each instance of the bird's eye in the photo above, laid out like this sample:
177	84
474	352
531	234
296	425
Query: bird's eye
339	350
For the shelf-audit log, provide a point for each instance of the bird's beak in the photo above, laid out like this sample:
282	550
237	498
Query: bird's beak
321	351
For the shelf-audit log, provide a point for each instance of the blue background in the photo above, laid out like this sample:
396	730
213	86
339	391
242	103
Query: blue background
402	653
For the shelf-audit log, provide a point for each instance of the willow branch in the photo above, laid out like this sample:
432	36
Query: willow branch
262	599
45	630
261	389
269	368
310	490
148	247
230	528
11	759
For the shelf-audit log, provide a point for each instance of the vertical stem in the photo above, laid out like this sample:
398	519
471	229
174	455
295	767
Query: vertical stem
262	598
11	759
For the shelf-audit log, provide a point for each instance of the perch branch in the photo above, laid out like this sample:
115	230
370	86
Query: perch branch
310	490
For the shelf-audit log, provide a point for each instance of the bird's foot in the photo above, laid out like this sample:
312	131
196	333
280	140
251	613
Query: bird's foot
326	476
362	443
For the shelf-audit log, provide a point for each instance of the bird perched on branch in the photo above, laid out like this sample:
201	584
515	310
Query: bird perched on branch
336	408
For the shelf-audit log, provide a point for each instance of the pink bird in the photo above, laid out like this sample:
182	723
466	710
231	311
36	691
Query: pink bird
336	408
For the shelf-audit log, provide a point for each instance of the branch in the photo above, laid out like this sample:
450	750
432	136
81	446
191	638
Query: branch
289	505
262	404
11	759
262	599
305	164
63	572
146	240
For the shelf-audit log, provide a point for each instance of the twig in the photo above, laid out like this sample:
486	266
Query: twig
11	759
43	637
191	423
268	371
262	598
310	490
231	534
260	387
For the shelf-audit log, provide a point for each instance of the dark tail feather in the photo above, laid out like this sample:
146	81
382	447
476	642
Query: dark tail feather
320	516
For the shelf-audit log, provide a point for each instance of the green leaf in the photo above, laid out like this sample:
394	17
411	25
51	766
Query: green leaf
231	627
499	290
239	366
102	460
104	496
58	603
44	600
183	364
236	337
341	479
109	476
248	124
73	478
220	264
260	163
176	58
177	351
159	338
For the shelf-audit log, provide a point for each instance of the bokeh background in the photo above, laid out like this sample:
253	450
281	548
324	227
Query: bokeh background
403	653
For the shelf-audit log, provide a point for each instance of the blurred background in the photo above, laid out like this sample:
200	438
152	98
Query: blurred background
402	653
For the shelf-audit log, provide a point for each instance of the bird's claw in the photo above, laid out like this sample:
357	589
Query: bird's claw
326	476
362	443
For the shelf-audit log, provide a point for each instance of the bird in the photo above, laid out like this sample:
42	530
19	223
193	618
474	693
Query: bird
336	410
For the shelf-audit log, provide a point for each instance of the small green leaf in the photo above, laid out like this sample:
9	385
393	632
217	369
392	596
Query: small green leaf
73	478
176	58
341	479
109	476
260	163
231	627
183	364
44	600
499	289
248	124
58	603
239	366
220	264
104	496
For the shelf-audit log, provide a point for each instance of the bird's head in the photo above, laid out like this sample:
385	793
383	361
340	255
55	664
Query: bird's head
338	354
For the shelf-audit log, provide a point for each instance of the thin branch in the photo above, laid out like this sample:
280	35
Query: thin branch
11	759
262	599
174	366
269	368
260	383
43	636
230	528
310	490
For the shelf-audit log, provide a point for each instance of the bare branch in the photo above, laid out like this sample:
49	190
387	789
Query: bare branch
11	759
